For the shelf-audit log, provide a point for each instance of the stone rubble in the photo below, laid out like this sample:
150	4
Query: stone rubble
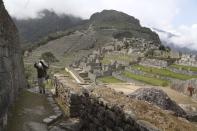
159	98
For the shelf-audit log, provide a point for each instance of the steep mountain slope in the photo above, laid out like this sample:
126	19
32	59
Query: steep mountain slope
122	24
114	19
47	21
102	28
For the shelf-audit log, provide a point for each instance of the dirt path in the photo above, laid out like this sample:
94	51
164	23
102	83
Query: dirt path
29	111
179	98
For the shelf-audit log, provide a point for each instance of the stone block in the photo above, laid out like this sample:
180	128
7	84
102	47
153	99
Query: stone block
146	126
47	121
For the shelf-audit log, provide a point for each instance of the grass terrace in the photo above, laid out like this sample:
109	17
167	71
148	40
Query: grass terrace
191	68
148	80
109	79
163	72
117	57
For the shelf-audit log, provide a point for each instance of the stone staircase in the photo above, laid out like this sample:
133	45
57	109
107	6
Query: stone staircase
80	75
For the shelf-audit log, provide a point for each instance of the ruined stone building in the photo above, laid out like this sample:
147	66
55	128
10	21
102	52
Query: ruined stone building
11	65
188	60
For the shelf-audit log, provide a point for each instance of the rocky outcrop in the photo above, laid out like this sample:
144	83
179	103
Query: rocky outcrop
115	18
159	98
122	25
11	64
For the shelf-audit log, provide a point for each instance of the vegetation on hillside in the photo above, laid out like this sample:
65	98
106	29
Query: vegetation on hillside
109	79
47	22
163	72
189	68
123	25
118	57
53	36
145	79
49	57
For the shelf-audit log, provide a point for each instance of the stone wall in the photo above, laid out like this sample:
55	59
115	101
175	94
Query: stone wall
103	109
119	76
181	71
92	76
154	63
188	60
139	72
97	114
11	64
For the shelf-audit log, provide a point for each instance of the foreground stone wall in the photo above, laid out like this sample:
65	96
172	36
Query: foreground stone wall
11	65
103	109
95	113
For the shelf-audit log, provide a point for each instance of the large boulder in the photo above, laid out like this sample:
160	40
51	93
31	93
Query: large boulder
11	64
159	98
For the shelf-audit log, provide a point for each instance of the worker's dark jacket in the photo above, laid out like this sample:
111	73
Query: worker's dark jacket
41	72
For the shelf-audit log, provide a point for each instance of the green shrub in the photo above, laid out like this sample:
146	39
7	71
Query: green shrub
49	57
146	79
164	84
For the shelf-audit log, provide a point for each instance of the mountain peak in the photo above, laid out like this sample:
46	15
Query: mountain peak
113	18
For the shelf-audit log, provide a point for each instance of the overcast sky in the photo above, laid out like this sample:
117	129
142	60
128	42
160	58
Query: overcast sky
176	16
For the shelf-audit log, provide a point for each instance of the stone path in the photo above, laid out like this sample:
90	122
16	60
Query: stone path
29	111
33	111
37	112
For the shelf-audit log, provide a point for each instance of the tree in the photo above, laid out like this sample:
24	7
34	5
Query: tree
168	49
49	57
162	47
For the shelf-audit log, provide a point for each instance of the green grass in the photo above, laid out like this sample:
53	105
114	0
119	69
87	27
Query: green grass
145	79
164	72
117	57
109	79
191	68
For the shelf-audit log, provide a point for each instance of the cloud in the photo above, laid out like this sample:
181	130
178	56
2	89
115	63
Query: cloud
182	36
151	13
187	36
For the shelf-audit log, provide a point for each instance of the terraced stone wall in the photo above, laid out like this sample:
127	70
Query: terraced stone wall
96	113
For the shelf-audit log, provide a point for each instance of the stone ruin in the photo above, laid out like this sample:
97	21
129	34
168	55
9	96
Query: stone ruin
94	68
11	65
103	109
188	60
154	63
139	44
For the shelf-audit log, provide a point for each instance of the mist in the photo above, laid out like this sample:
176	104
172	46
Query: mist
183	37
162	14
46	22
